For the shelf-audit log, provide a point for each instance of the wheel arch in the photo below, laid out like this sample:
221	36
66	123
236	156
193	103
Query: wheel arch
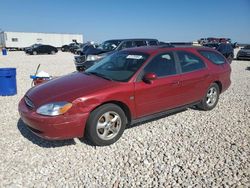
122	105
219	84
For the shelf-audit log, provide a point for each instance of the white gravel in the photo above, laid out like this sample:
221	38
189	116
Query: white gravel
188	149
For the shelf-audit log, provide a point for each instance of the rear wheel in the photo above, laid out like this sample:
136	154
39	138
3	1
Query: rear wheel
106	124
52	52
211	98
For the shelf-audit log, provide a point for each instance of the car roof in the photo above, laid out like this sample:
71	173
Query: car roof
159	49
134	39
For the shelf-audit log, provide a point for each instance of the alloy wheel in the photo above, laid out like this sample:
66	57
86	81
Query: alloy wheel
108	125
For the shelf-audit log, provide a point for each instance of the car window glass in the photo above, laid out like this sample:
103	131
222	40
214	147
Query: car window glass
161	65
190	62
152	43
140	43
213	56
247	47
128	44
120	66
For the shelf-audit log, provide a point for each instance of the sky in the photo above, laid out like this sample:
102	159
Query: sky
99	20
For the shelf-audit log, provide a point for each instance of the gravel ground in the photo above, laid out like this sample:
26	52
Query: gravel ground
187	149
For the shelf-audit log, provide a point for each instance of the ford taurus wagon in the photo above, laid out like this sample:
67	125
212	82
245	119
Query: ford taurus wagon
126	87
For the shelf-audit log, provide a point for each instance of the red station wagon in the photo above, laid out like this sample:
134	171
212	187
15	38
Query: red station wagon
129	86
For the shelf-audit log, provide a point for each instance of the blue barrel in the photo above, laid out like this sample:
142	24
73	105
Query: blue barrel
8	81
4	51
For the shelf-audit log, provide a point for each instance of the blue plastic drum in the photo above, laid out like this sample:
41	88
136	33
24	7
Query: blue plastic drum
4	51
8	81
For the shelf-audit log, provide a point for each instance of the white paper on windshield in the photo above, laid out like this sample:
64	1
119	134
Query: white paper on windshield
134	57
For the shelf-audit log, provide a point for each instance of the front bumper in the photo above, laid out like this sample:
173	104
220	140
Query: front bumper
53	128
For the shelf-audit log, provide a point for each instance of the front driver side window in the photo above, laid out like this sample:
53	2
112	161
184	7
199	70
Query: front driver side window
162	65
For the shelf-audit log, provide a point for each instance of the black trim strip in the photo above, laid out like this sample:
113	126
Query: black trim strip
163	113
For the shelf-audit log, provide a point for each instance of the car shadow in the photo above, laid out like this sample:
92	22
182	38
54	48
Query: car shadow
248	68
40	141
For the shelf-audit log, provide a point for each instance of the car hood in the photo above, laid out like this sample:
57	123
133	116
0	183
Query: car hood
67	88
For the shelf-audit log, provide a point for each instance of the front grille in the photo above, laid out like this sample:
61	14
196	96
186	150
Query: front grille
28	103
80	59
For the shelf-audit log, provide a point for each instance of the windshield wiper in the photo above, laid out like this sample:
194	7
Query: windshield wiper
100	75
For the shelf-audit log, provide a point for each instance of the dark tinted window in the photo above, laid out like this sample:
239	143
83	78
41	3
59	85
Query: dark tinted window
162	65
128	44
213	56
190	62
14	39
247	47
140	43
152	43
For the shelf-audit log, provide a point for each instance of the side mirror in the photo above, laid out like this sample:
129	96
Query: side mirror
149	77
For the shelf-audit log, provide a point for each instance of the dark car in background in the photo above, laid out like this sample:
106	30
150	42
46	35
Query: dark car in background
244	53
66	48
226	49
32	46
41	49
109	47
75	47
85	47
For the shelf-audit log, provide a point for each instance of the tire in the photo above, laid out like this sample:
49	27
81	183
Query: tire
211	98
52	52
105	125
34	52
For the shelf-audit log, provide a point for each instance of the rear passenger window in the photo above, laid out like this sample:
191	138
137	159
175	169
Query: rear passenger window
190	62
140	43
162	65
213	56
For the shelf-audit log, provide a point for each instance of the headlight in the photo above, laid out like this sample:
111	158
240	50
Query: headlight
93	57
54	109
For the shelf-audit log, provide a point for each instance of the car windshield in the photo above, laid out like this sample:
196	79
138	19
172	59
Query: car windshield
120	66
247	47
35	45
109	45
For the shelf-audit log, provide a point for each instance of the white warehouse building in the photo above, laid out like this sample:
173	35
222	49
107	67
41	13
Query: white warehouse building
19	40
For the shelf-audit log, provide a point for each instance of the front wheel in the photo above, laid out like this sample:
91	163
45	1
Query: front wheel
211	98
34	52
106	124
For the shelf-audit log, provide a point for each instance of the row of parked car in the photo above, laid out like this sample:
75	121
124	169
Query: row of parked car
89	53
92	54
